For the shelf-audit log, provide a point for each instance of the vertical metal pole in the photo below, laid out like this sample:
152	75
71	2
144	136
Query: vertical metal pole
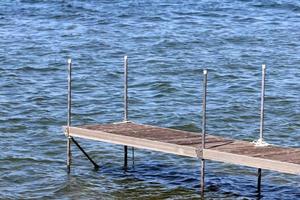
71	139
125	88
132	155
125	157
69	155
261	128
204	108
125	105
259	182
203	131
262	103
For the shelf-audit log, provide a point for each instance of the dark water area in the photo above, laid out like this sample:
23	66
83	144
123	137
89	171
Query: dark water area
168	43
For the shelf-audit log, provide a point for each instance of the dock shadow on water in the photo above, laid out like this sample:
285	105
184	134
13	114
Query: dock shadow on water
169	44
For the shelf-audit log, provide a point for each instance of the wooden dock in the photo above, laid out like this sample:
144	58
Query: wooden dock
257	154
286	160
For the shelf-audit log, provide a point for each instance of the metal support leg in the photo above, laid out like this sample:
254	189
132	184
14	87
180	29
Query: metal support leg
202	178
71	139
132	154
69	155
125	157
258	182
203	131
88	157
261	142
125	105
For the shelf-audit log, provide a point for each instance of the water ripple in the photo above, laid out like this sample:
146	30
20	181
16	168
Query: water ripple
168	45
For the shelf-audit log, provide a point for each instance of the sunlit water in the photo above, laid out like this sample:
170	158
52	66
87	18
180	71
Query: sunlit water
168	44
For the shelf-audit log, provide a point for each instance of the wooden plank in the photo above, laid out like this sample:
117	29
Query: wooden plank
249	161
132	141
186	143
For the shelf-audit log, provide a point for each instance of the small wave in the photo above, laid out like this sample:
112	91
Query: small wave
37	69
165	87
277	5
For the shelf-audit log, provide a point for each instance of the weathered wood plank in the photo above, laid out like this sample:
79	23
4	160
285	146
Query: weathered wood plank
186	143
132	141
249	161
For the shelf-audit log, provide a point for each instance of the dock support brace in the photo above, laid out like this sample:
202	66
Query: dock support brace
96	166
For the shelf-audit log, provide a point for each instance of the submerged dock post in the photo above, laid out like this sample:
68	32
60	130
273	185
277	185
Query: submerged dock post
126	111
258	182
261	141
125	106
69	155
70	138
203	131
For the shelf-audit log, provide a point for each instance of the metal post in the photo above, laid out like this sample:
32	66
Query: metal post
132	155
203	130
125	157
125	105
125	88
259	182
70	138
69	155
262	103
260	142
204	108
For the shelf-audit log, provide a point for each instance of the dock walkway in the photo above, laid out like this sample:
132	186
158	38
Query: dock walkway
286	160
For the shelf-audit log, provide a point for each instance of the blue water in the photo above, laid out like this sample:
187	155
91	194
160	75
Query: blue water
168	43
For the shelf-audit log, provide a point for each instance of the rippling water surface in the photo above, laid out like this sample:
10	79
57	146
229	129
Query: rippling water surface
168	44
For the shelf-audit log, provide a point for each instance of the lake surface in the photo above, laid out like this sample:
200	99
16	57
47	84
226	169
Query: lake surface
168	44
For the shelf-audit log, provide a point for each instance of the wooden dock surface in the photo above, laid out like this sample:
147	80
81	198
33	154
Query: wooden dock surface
281	159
